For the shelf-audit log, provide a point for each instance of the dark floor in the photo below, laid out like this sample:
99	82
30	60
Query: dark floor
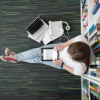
23	81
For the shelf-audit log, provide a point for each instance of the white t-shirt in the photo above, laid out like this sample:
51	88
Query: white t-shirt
79	68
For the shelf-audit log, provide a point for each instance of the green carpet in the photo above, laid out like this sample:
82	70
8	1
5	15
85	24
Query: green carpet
24	81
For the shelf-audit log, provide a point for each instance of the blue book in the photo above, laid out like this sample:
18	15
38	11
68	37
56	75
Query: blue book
97	46
85	93
91	28
97	53
96	8
93	74
83	3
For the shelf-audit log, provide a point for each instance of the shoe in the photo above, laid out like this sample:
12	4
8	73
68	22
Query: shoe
8	58
9	52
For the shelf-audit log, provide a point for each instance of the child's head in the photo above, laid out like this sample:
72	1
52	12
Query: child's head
80	51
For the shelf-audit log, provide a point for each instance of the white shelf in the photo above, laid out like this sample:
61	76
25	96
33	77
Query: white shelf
92	79
92	19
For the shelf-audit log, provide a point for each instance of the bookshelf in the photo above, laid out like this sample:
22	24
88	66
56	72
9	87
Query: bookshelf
90	18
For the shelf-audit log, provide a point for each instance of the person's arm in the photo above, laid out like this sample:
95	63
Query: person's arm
58	62
69	69
62	46
67	43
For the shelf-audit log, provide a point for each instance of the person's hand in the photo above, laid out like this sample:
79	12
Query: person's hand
58	48
57	62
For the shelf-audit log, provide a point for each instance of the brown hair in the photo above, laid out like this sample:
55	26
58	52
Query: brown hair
80	52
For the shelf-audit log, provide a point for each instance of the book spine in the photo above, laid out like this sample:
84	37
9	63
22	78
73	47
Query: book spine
94	85
94	93
97	75
85	93
94	3
92	42
91	28
95	63
92	88
92	97
83	3
96	47
84	96
95	66
96	8
93	74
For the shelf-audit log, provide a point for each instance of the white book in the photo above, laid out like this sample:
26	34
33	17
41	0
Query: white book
96	70
94	32
96	62
90	36
55	28
93	41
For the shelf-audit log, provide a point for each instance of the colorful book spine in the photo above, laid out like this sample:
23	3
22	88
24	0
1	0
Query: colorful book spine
93	84
97	50
95	63
92	42
94	93
96	47
92	88
83	3
91	28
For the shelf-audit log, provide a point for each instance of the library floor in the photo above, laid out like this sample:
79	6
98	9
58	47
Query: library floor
24	81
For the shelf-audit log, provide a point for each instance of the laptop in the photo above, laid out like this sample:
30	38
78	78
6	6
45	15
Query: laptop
36	28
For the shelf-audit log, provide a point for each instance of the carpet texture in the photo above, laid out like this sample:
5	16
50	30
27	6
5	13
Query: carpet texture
24	81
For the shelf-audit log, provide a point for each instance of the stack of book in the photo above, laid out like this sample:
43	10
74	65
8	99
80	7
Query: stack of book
84	14
94	38
94	91
85	89
95	69
95	5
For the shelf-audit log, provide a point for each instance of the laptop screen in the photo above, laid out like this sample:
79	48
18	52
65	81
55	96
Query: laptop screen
35	25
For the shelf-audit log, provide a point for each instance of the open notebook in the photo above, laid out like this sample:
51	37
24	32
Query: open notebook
48	54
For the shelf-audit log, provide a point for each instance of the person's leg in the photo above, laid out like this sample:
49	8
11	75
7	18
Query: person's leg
31	56
34	56
33	53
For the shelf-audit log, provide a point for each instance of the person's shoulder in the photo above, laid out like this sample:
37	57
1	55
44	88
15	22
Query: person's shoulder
80	69
80	38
